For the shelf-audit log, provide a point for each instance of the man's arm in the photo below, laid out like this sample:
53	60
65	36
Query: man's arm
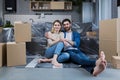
48	37
76	39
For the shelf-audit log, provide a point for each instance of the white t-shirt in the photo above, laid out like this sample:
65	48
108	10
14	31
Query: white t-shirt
69	35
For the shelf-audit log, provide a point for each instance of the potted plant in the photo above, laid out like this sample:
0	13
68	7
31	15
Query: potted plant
8	25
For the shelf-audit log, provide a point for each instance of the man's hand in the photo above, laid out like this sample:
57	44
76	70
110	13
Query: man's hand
63	39
67	41
46	35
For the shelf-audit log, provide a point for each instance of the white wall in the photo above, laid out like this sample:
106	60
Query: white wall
23	8
36	18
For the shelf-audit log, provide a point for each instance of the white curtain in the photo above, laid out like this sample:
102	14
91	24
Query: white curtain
87	12
105	7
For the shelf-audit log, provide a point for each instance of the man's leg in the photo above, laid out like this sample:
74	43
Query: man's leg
63	57
83	60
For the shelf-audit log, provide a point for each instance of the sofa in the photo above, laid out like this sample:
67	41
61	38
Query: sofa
39	42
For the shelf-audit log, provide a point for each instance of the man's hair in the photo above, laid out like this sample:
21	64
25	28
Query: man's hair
66	20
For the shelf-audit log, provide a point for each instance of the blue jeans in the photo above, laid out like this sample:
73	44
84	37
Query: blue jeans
80	58
57	49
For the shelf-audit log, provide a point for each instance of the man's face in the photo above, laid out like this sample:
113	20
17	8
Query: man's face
67	26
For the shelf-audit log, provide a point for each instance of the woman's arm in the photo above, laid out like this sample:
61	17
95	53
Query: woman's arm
51	40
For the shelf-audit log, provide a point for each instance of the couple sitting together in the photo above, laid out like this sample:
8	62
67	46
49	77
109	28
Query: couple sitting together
64	46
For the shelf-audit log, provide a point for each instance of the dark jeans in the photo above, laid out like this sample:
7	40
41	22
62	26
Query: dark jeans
80	58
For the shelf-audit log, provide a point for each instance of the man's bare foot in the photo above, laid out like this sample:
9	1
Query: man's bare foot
101	64
99	68
44	60
102	56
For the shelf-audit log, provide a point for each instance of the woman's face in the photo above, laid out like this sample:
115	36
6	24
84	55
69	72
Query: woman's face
57	26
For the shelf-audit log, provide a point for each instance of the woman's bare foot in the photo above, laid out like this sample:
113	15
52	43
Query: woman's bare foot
99	68
44	60
56	64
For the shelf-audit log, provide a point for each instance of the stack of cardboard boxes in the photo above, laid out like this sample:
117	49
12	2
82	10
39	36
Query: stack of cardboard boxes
109	40
14	53
2	54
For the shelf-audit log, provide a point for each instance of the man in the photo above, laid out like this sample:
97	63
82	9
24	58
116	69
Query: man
72	39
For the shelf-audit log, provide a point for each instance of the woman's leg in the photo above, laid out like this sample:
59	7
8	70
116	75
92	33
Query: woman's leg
55	49
57	52
50	52
59	48
53	52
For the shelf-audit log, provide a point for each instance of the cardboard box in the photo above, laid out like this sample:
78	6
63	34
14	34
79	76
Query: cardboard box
116	62
1	35
22	32
57	5
0	29
109	30
109	37
110	48
2	54
16	54
91	34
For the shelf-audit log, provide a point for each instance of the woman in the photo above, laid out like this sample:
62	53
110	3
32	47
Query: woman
55	46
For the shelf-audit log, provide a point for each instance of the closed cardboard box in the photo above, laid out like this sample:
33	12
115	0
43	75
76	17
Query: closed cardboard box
110	48
0	29
16	54
109	37
116	62
91	34
1	35
22	32
109	30
2	54
57	5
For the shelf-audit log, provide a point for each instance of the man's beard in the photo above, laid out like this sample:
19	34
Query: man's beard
67	29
